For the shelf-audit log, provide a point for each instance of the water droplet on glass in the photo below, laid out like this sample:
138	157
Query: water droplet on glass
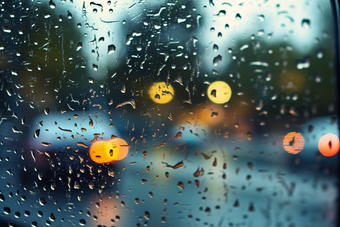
269	76
317	78
319	54
147	215
250	165
238	17
249	135
180	185
53	186
221	13
51	4
215	47
305	24
91	185
260	105
217	59
111	49
7	210
79	46
261	18
82	222
181	20
7	28
101	39
178	135
42	201
123	89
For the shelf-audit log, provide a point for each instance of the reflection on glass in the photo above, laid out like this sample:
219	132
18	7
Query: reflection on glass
158	113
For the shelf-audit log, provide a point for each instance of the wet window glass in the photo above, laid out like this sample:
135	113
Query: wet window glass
168	113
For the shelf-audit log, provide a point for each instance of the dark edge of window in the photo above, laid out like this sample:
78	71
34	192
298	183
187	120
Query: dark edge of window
336	13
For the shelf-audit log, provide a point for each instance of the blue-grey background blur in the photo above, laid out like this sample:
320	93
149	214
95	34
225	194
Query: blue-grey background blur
64	63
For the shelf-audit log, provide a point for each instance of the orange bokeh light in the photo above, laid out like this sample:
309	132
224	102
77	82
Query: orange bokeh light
109	151
329	144
119	148
293	142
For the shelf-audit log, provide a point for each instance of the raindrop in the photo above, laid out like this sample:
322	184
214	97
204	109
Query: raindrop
53	186
249	135
7	210
37	133
178	135
222	13
111	48
95	67
238	17
213	93
317	78
269	77
46	111
215	162
42	201
7	28
79	46
82	222
180	185
170	116
260	105
123	89
51	4
181	20
319	54
147	215
261	18
101	39
27	213
52	217
217	59
305	24
215	47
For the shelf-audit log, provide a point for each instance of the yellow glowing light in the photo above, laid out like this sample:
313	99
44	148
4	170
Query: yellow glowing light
329	144
219	92
108	151
293	142
118	148
161	92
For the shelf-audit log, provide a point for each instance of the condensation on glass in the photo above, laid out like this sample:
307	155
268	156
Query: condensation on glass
168	113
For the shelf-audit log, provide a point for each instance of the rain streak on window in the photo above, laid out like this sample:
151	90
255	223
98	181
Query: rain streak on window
168	113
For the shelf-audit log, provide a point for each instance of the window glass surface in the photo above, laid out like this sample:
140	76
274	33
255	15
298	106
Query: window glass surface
168	113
